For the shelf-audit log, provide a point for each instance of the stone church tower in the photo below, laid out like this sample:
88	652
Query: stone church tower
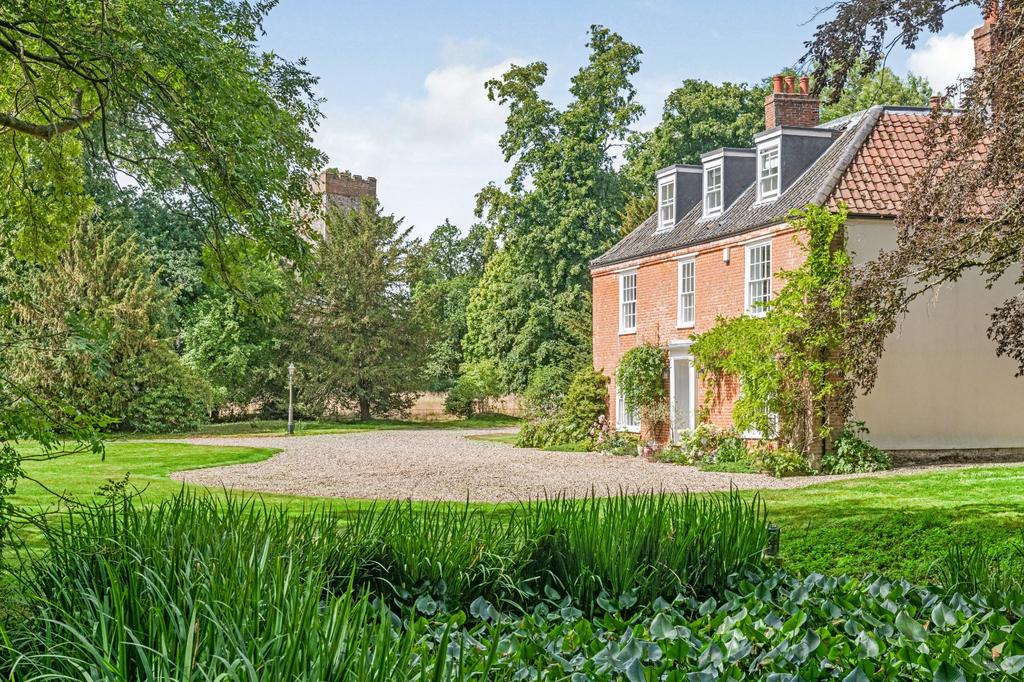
340	189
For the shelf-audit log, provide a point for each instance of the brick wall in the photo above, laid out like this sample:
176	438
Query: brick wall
782	109
719	292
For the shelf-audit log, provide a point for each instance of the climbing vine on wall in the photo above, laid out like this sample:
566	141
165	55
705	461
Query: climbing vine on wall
795	378
640	380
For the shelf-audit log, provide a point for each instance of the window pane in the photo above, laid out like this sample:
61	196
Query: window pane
713	189
686	292
769	171
759	268
628	301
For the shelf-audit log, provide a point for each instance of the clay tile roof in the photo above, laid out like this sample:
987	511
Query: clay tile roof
886	165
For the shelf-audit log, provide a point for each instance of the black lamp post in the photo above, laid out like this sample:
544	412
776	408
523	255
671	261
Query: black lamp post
291	375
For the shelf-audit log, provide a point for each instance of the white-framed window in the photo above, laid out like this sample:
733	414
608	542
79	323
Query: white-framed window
754	433
768	172
687	293
625	420
666	204
713	190
758	277
627	302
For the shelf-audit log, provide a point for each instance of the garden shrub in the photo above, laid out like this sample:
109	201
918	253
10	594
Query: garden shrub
545	391
853	454
479	382
539	433
177	397
781	461
573	422
619	443
710	444
586	400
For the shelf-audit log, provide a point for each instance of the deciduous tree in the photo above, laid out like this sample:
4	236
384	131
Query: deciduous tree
965	213
558	208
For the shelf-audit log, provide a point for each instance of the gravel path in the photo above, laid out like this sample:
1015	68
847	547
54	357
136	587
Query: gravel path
440	464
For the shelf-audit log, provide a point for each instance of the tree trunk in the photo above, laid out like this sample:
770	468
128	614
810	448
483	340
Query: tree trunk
364	409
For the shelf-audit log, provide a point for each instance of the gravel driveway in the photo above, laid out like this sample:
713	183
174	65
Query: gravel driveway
427	464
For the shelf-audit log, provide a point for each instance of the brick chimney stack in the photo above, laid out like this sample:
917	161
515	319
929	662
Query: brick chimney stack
983	34
791	104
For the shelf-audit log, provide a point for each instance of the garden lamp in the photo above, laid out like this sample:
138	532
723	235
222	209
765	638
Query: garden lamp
291	376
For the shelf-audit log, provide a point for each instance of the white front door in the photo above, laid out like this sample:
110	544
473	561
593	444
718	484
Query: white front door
682	382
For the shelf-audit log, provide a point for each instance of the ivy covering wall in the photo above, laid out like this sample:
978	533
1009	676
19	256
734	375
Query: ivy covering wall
795	378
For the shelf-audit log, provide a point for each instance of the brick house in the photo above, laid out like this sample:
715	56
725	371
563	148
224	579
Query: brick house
720	237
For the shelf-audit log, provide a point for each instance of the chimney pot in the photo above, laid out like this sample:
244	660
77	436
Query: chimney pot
790	82
805	85
937	102
777	84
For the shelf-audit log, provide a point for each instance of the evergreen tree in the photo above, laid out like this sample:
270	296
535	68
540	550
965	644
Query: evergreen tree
354	331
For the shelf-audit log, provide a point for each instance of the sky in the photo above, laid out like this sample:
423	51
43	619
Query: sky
402	81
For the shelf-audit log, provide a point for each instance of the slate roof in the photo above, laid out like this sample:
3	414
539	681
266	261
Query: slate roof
871	162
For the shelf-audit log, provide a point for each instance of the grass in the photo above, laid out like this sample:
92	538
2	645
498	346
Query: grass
899	525
278	427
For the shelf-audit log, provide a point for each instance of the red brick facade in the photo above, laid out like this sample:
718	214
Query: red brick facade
719	291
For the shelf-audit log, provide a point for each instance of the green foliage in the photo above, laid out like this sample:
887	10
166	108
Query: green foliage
697	117
640	379
452	268
354	331
101	314
883	86
112	587
184	101
572	419
794	374
585	403
707	444
479	382
557	210
780	462
511	318
545	391
619	443
638	208
977	568
853	454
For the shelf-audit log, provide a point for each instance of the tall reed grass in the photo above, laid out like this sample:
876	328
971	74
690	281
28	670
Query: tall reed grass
201	588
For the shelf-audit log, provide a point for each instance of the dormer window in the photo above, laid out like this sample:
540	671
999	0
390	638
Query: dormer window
713	190
666	204
768	173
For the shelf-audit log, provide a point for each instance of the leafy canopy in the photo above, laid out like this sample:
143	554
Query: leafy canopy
557	210
175	95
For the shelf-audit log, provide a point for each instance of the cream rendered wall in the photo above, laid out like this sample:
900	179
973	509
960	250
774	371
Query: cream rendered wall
940	384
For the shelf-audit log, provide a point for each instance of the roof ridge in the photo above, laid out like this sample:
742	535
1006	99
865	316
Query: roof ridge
867	124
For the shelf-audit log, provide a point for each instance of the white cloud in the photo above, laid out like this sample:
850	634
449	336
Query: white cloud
430	152
943	59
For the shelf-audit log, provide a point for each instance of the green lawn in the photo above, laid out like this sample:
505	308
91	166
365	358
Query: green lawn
899	525
278	427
